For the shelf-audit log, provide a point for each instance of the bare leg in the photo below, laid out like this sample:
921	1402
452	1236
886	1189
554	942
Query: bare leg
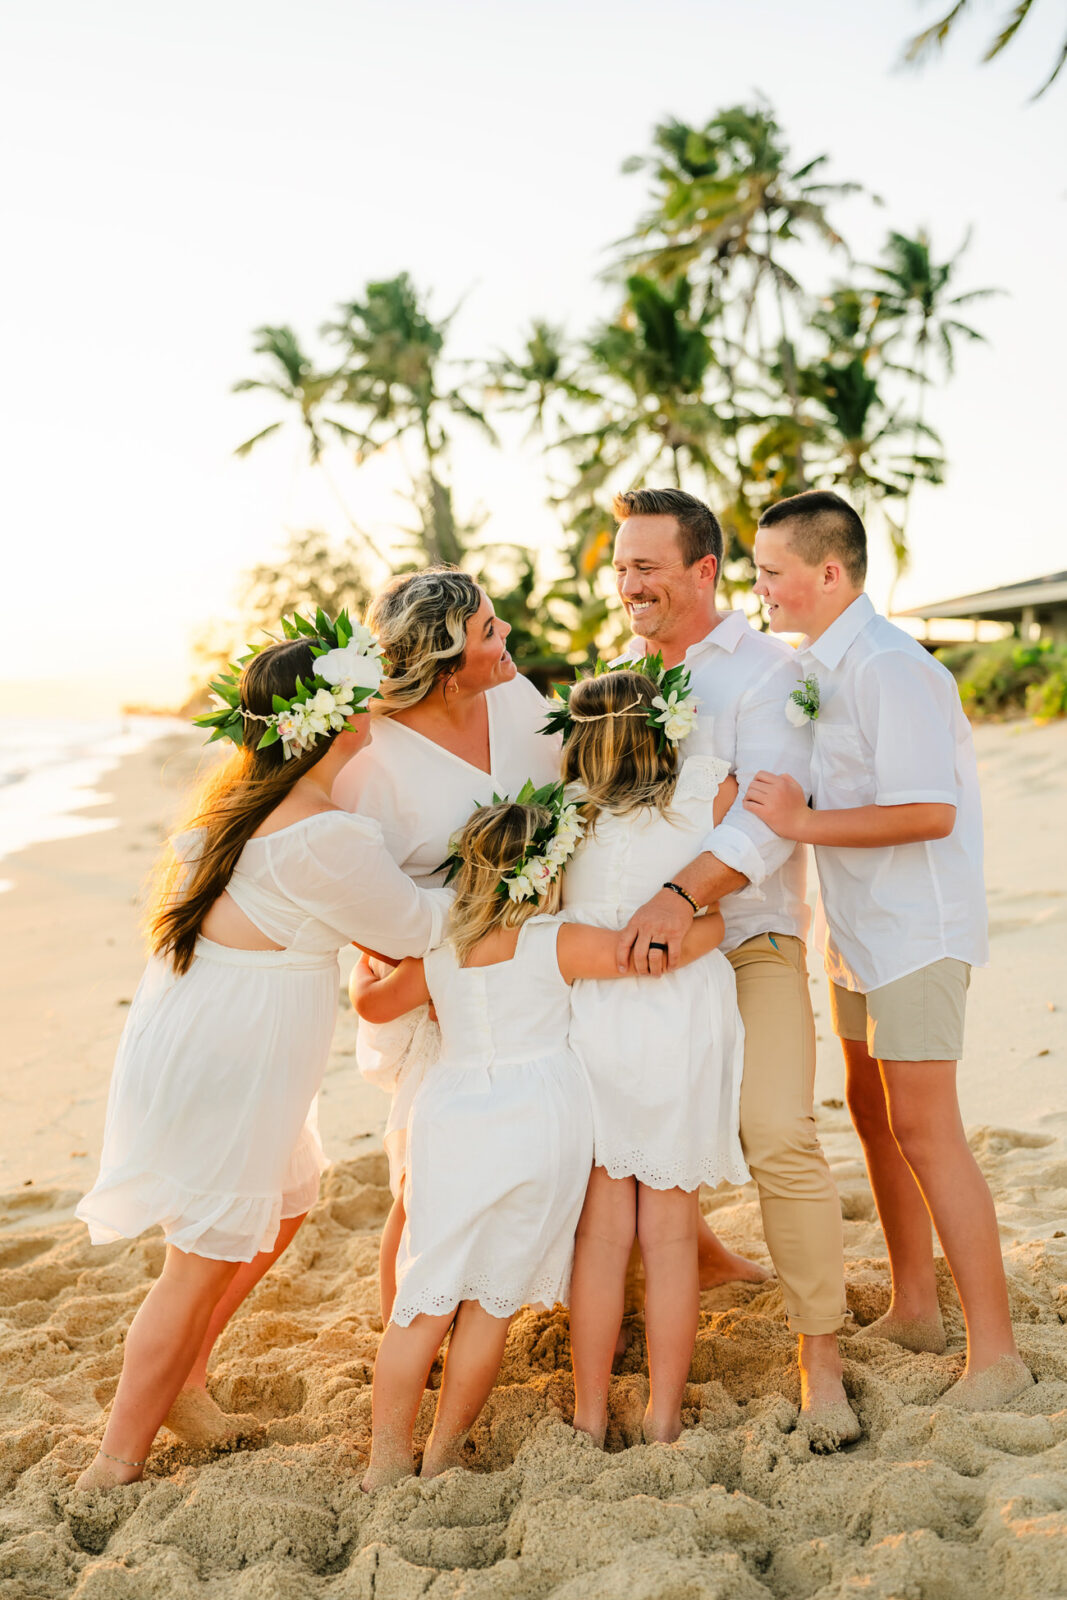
390	1244
403	1364
194	1417
914	1317
925	1118
475	1352
606	1231
161	1346
667	1228
719	1265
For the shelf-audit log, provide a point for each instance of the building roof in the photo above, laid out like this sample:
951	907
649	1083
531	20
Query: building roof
1002	603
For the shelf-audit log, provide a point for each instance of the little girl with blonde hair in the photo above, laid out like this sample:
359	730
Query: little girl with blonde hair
663	1055
500	1136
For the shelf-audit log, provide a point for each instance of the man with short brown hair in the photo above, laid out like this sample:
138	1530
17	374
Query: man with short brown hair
668	551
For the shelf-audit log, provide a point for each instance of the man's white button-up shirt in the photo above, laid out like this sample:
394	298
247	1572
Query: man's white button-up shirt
742	679
891	732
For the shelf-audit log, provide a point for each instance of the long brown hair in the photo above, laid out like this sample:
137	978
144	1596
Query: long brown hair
490	843
230	805
616	757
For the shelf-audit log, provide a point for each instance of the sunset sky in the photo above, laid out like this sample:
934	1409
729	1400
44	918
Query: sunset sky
176	177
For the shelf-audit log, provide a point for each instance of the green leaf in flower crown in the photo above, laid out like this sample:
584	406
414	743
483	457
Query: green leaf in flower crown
344	630
270	737
525	794
322	623
278	704
303	693
289	629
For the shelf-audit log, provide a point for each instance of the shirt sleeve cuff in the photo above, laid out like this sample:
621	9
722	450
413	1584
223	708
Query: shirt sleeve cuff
734	849
916	797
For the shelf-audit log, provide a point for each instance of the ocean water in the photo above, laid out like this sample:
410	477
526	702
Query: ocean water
51	769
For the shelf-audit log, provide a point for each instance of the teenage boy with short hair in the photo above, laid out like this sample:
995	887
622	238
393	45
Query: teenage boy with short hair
897	829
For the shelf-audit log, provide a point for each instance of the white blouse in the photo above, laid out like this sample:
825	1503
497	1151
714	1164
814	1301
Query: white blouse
421	793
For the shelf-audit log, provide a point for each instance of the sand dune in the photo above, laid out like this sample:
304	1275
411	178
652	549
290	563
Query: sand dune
930	1505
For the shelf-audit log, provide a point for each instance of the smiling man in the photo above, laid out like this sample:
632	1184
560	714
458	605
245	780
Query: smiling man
668	552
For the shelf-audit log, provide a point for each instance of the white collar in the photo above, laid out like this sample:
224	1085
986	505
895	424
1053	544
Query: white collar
726	635
829	648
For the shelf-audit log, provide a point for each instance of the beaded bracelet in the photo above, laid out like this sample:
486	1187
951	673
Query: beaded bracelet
684	894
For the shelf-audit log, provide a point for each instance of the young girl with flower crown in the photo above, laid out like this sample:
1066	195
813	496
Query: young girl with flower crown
211	1114
500	1136
663	1055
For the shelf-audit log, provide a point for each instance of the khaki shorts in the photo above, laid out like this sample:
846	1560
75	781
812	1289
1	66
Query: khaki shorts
917	1018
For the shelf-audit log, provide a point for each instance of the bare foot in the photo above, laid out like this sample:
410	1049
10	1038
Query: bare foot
383	1472
826	1418
921	1334
101	1473
721	1266
592	1428
660	1431
195	1419
438	1456
990	1389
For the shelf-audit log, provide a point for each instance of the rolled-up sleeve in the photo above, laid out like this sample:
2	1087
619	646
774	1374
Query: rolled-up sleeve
766	741
907	715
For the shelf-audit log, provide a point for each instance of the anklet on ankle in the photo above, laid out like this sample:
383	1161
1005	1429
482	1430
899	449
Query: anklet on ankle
120	1459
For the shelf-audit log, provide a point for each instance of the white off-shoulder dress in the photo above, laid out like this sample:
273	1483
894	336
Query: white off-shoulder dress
211	1130
663	1055
421	794
500	1138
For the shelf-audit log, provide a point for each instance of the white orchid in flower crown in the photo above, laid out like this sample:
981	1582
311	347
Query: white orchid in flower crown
348	671
674	707
542	861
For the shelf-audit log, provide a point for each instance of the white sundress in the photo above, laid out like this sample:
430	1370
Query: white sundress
663	1055
500	1138
421	794
211	1129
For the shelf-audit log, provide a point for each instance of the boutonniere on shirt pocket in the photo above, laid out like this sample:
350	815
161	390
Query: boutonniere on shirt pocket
803	704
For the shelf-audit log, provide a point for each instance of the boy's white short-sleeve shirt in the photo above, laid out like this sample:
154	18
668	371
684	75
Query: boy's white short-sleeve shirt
891	732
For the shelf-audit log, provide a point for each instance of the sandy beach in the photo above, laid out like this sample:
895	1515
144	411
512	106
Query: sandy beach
929	1505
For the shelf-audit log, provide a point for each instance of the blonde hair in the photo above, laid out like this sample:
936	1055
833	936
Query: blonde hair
421	620
490	843
611	753
230	805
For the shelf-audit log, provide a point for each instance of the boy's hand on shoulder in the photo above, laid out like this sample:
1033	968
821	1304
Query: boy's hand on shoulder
780	802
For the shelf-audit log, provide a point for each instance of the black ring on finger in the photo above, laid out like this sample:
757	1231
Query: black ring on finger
654	944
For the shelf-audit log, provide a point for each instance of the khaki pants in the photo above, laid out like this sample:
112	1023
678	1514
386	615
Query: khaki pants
800	1205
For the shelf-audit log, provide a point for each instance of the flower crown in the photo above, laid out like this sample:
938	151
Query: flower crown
348	670
542	861
672	712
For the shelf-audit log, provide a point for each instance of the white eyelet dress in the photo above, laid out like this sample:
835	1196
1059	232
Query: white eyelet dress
663	1055
500	1138
211	1129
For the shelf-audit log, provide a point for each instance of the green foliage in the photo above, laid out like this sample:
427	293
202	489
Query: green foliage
923	44
1010	677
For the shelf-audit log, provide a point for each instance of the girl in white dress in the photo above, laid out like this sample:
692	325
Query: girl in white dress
500	1133
454	725
663	1055
210	1128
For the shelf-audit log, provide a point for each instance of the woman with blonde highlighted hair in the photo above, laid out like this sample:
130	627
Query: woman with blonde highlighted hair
455	725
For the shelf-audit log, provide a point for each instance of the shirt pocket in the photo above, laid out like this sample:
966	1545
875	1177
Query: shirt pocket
844	766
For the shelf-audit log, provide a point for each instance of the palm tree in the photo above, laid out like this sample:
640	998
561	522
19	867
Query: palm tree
726	200
541	379
295	380
392	375
859	436
651	368
923	44
913	299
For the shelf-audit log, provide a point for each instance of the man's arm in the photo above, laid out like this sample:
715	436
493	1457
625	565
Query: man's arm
781	804
742	849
